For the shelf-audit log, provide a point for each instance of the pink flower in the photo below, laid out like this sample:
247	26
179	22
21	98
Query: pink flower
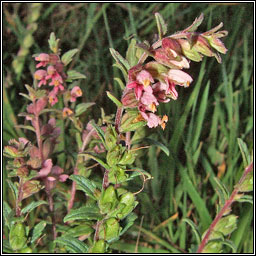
160	90
43	58
75	93
66	112
152	119
53	98
149	100
179	77
145	78
40	75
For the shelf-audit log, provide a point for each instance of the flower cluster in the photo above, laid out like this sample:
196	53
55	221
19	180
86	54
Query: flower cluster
154	82
53	76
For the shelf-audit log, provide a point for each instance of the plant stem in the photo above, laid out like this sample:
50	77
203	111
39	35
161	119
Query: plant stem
73	189
118	119
224	209
51	207
38	136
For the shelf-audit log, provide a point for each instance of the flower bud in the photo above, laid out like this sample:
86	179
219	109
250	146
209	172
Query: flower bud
189	51
129	99
171	47
17	236
202	45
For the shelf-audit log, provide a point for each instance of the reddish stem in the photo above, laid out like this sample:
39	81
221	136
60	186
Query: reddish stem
73	189
224	209
38	136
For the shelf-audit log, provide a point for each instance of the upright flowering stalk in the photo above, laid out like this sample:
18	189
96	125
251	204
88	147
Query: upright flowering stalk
152	82
107	210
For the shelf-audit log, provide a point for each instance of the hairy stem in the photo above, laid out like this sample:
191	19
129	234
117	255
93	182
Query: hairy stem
224	209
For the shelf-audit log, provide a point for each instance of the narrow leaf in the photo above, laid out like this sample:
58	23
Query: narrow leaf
85	185
99	131
37	230
27	127
244	151
30	207
161	25
73	75
6	213
106	166
114	99
119	59
194	229
72	244
195	24
82	107
67	56
83	213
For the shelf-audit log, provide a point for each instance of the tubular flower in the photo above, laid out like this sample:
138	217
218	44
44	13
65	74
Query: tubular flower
75	93
44	59
41	75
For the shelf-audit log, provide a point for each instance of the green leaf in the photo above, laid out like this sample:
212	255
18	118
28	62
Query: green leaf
119	59
195	24
161	25
121	67
72	244
230	244
245	199
25	95
99	131
106	166
120	82
13	188
7	211
30	207
129	221
81	230
244	151
67	56
84	213
82	107
227	224
114	99
53	43
247	184
73	75
222	191
131	53
37	230
194	229
27	127
85	185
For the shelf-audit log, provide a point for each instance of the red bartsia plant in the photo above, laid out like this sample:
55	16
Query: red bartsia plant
92	224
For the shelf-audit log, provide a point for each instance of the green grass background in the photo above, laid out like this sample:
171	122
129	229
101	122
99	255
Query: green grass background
204	123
